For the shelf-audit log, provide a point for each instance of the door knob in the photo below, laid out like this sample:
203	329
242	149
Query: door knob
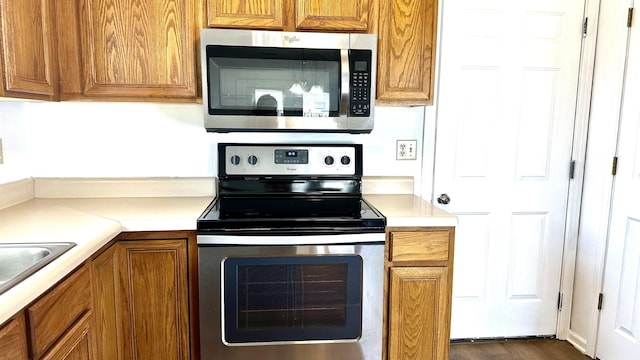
444	199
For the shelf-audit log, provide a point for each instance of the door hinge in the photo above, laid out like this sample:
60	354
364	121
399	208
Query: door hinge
572	169
560	298
585	25
630	18
614	166
600	296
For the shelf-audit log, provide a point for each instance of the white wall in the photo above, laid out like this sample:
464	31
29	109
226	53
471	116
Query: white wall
12	132
97	139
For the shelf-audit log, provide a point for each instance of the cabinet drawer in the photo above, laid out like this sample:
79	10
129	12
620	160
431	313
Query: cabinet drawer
419	246
51	316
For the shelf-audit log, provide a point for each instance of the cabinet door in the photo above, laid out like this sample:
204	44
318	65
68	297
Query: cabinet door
155	298
75	344
29	64
13	339
108	317
248	14
332	15
418	313
140	49
141	290
406	51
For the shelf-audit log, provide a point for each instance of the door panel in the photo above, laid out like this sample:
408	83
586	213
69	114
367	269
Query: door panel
507	95
526	268
619	330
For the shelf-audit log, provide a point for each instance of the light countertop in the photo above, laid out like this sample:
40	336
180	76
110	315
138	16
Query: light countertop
410	210
90	223
33	222
93	222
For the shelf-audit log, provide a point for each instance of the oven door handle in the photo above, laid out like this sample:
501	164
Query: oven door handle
291	240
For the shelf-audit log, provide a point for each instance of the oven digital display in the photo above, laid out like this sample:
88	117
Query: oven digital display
291	156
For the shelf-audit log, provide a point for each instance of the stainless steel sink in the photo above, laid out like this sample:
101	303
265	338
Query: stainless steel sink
19	261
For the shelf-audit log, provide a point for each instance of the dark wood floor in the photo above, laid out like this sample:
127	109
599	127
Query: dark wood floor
538	349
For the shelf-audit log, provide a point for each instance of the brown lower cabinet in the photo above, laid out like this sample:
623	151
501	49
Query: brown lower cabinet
77	343
133	299
418	278
143	296
59	324
13	339
137	298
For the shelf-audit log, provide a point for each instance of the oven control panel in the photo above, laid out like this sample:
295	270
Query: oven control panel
270	159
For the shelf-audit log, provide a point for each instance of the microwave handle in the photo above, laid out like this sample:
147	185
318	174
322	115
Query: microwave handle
346	81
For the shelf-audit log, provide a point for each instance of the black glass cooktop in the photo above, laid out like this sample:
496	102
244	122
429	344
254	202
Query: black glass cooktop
284	214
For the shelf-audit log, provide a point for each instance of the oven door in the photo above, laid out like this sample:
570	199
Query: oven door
282	301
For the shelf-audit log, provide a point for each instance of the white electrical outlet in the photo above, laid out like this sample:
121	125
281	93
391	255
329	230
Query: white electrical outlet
406	149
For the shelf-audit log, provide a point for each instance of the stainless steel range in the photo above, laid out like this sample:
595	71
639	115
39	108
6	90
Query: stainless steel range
290	256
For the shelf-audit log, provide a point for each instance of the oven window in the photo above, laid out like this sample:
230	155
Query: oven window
297	298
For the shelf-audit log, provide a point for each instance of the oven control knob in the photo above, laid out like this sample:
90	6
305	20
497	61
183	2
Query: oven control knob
345	160
252	159
235	160
329	160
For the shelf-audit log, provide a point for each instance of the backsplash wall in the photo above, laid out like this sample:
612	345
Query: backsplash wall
96	139
14	145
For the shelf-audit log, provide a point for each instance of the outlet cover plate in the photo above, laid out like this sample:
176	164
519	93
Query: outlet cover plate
406	149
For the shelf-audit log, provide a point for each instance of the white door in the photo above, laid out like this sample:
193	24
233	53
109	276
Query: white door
619	330
507	97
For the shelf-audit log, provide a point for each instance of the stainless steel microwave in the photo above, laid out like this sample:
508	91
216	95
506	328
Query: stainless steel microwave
288	81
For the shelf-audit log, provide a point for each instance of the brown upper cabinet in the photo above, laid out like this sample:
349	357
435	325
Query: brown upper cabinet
406	31
406	51
99	49
291	15
136	49
252	14
28	61
148	50
332	15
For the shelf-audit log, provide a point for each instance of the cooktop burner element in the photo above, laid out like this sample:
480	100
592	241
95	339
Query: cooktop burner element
286	189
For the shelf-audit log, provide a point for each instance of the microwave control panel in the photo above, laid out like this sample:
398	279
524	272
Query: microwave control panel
360	82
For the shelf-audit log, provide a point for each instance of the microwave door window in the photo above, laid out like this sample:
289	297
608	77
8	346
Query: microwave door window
274	82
